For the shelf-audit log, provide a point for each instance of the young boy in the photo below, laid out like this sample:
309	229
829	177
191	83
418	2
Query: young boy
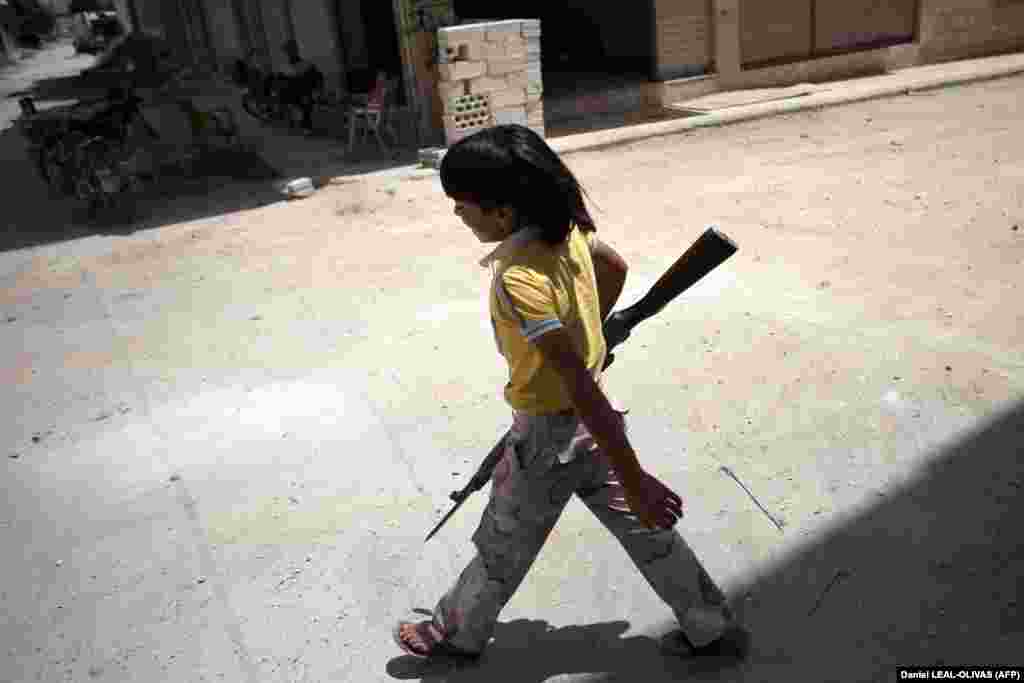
554	283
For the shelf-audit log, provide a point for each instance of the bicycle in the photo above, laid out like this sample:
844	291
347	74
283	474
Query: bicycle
103	174
265	97
59	141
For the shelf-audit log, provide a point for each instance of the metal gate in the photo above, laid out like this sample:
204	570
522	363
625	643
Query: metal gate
784	31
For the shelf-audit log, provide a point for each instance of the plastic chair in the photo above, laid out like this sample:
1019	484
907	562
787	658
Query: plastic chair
372	117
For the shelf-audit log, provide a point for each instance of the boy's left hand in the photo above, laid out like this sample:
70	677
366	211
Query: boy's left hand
657	506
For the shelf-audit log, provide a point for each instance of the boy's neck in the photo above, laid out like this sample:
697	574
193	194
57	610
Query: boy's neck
512	242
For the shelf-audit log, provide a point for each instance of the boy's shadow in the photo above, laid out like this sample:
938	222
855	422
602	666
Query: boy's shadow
531	651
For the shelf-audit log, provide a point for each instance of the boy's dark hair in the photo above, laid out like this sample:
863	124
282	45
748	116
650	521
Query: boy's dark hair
511	165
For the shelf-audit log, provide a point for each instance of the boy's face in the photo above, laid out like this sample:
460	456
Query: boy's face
488	225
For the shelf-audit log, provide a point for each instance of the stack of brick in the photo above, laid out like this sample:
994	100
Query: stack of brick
490	75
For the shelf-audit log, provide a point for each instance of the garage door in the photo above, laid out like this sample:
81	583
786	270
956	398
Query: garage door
791	30
854	24
779	30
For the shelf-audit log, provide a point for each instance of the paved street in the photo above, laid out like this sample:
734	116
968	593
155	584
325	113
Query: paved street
225	438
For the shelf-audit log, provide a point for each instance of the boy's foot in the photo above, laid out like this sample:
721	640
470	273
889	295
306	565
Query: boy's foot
734	643
426	640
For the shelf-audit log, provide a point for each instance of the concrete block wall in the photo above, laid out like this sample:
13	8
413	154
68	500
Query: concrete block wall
490	75
683	38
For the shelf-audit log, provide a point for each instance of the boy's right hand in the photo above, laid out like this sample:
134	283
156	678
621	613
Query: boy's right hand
616	329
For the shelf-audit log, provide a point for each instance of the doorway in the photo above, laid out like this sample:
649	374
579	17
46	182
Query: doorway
383	52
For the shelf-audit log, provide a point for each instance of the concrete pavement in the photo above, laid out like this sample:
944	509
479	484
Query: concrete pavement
225	439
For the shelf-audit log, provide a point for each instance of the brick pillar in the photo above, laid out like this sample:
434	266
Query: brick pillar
490	75
683	38
727	40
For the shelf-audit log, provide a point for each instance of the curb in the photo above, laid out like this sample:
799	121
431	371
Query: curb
584	142
621	136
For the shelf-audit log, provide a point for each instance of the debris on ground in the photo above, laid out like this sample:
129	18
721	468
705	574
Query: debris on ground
431	157
299	188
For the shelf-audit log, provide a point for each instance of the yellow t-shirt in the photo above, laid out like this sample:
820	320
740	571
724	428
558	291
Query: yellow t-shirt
538	288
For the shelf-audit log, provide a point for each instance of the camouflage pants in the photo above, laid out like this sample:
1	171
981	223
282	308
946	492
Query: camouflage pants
548	459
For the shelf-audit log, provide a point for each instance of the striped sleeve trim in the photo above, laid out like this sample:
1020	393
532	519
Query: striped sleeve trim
531	329
535	328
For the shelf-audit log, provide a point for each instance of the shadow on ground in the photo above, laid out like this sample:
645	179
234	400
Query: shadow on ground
224	181
532	651
927	575
221	182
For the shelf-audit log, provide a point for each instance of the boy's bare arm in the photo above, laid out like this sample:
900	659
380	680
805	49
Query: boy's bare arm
589	401
610	269
650	500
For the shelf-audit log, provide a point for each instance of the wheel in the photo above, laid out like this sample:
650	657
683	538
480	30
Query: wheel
47	159
258	108
87	158
86	186
37	156
66	162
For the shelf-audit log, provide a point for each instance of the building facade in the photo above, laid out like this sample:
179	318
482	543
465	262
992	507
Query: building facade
747	43
657	43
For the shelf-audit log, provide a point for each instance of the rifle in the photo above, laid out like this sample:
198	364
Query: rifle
710	250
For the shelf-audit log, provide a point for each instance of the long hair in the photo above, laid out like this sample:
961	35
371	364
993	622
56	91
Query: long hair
510	165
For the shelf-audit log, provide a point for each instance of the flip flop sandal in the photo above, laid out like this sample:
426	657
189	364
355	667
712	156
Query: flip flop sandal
435	645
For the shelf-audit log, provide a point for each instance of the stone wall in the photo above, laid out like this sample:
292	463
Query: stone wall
490	75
